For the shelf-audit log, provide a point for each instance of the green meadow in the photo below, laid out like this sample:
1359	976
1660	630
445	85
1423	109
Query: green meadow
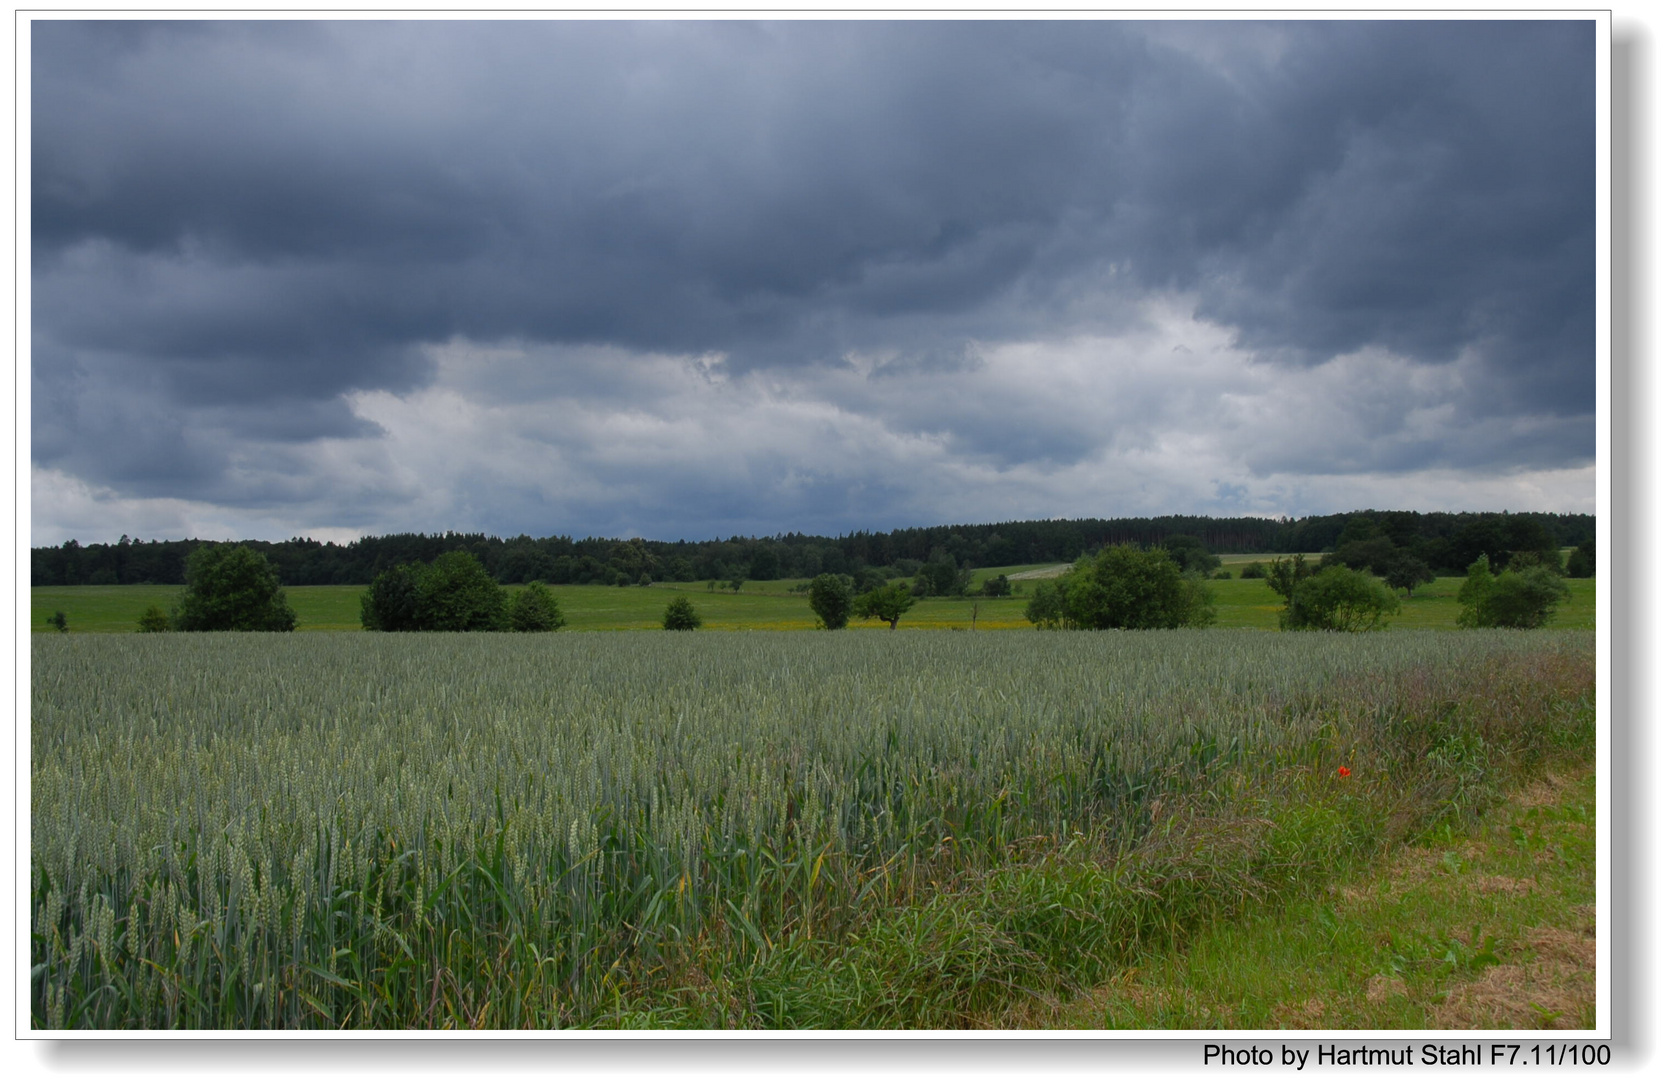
761	605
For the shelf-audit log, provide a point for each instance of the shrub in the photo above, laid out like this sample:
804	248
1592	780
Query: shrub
1341	599
1517	599
536	610
60	620
1253	570
1123	588
680	615
832	598
153	621
996	586
232	587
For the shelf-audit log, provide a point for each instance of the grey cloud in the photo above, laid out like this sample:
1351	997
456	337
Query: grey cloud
238	224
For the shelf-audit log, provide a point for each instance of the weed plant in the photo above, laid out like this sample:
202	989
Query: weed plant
752	829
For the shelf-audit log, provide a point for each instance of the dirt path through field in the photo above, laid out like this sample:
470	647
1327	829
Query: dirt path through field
1043	572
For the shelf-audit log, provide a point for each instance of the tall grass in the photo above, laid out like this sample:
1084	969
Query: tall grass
517	831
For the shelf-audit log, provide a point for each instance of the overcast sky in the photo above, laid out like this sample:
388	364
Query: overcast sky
682	279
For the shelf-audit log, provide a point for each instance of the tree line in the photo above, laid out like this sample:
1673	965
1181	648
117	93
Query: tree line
1446	544
1122	587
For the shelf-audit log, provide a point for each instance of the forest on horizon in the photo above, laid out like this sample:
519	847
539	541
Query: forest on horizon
1447	542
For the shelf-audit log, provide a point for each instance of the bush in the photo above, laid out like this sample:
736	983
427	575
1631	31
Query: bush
59	620
232	587
832	598
1517	599
153	621
1340	599
1123	588
1253	570
680	615
536	610
996	586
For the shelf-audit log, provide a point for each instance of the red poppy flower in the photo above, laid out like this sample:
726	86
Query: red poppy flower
1342	770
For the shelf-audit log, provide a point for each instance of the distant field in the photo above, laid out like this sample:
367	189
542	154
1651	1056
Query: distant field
760	605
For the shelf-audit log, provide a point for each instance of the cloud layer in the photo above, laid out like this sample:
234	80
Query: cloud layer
687	279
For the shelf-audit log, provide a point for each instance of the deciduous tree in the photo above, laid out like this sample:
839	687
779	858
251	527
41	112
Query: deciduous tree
536	610
1340	599
832	598
456	593
231	587
886	602
680	615
1517	599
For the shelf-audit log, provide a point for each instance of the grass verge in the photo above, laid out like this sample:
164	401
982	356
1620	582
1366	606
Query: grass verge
1494	929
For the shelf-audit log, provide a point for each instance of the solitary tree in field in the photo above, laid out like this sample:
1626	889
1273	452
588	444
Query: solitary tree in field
887	602
1124	588
1341	599
1408	572
60	620
680	615
232	587
535	610
832	598
153	621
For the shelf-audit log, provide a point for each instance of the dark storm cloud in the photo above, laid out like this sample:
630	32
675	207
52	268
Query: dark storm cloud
236	224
